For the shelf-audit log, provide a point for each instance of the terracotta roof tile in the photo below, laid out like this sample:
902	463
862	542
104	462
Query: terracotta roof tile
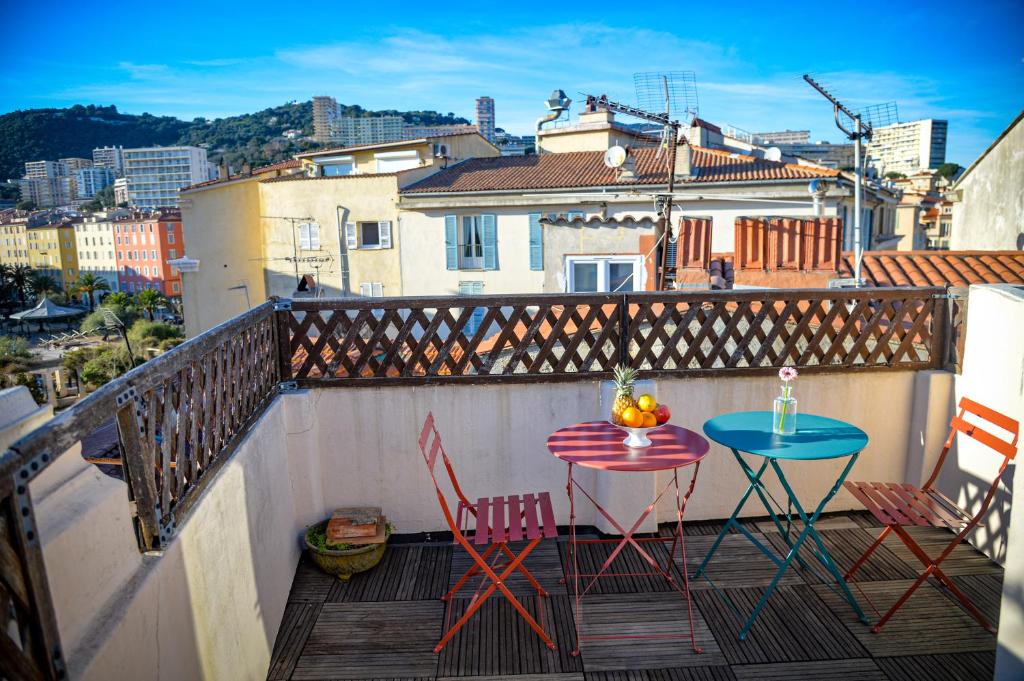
587	169
262	170
938	268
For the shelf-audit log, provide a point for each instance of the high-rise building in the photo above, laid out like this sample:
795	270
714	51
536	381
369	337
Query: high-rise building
38	169
782	137
68	166
325	110
109	157
908	147
89	181
154	174
485	117
48	192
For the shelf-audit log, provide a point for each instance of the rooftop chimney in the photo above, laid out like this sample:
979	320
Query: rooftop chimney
684	160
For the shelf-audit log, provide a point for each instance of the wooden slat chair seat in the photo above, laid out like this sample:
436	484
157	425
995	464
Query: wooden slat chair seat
492	522
898	505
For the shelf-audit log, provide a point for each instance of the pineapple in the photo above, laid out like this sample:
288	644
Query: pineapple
624	378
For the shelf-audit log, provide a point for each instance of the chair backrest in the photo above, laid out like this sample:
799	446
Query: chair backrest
1001	445
430	447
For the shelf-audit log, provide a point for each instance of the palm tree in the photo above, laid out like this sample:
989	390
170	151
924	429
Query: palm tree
20	277
89	284
43	285
149	299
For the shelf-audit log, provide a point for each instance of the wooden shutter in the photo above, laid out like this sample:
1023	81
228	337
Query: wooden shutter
489	233
536	243
473	288
304	236
314	236
351	236
451	242
366	290
384	231
377	289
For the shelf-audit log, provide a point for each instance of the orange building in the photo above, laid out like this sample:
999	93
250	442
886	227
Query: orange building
144	242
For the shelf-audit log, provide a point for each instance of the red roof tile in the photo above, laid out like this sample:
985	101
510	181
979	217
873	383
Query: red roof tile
938	268
587	169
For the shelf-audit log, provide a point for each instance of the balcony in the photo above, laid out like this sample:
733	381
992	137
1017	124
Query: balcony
237	440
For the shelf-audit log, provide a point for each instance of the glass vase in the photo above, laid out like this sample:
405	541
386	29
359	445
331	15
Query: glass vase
784	413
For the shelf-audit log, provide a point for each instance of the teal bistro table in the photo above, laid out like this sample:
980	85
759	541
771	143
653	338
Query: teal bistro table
817	438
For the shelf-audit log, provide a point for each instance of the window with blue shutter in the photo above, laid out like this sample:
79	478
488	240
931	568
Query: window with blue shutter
536	243
451	242
489	232
472	288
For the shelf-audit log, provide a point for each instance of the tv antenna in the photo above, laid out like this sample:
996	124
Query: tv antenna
856	129
669	138
675	91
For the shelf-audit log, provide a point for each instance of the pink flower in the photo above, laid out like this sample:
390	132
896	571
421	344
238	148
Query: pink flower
787	374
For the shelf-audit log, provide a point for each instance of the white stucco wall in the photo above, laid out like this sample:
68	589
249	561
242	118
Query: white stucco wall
990	212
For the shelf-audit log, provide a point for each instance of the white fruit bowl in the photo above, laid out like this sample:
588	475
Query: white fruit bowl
637	436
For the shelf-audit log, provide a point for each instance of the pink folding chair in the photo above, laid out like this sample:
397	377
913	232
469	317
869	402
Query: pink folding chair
897	505
491	522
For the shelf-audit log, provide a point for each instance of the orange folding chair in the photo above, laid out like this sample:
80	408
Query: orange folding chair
491	522
900	505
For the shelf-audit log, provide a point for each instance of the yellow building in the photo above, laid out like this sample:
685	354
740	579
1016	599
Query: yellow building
14	238
325	224
51	249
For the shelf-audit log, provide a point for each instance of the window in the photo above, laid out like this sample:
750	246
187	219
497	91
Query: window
172	254
309	236
472	243
170	238
370	235
175	287
472	288
152	255
536	242
373	289
393	161
338	169
608	274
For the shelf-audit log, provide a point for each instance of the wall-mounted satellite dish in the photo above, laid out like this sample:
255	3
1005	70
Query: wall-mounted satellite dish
615	157
773	154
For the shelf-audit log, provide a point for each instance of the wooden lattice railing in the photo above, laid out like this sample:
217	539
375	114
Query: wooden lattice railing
550	336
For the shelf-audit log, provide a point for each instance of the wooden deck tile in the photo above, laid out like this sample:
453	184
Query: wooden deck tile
939	667
542	563
736	563
928	623
794	626
720	673
372	640
985	591
298	620
846	546
497	640
863	669
405	573
577	676
644	613
965	559
310	582
591	557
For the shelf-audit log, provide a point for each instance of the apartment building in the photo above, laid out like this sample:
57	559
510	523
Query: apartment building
52	250
109	157
69	166
13	237
143	243
325	110
566	222
782	137
325	224
48	192
39	169
908	147
485	117
89	181
94	242
155	174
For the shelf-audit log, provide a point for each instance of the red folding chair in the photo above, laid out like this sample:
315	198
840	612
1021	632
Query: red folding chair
486	524
900	505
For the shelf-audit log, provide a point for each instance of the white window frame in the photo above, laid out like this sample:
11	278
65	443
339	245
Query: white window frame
639	273
470	262
371	289
332	161
406	159
309	236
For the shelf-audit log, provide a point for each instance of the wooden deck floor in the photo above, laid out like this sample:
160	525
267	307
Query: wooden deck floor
384	624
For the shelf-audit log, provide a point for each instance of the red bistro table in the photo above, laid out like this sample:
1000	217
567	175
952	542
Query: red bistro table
598	444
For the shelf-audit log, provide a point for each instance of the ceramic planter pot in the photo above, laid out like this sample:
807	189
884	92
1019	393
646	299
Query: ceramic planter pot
344	564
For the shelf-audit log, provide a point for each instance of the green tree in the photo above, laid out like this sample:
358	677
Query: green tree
118	299
103	199
75	360
149	300
29	381
948	170
893	175
88	284
19	277
25	205
13	348
107	365
96	321
43	285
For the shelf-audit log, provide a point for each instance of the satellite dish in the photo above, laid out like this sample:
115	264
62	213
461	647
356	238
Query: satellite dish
615	157
773	154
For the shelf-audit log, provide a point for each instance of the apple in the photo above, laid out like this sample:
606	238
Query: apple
662	414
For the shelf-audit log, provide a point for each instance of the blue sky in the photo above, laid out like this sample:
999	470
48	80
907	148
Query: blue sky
962	62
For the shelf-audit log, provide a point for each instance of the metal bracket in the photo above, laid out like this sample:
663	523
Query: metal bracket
125	395
167	532
947	296
287	386
284	305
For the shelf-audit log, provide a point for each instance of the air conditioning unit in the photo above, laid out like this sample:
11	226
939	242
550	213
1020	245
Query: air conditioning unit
441	151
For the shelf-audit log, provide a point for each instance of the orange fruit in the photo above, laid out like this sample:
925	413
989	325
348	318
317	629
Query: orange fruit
649	420
632	418
646	403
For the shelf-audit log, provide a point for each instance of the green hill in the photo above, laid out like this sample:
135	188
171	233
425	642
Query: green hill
36	134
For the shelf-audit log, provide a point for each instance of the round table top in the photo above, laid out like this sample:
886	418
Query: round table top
598	444
816	437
